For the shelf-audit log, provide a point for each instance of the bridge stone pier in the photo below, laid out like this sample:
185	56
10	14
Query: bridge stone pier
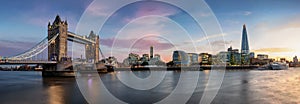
57	49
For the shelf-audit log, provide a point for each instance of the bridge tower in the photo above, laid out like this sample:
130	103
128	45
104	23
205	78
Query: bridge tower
92	50
57	50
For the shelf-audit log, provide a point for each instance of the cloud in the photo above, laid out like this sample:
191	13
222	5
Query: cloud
214	46
285	34
274	50
145	21
204	14
220	42
152	8
99	10
210	37
247	13
239	13
233	22
276	53
10	48
142	44
38	21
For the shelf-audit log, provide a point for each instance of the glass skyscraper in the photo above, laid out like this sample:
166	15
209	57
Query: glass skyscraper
245	60
245	45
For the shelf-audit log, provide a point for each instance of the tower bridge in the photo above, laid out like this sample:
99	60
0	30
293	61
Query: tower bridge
57	42
57	49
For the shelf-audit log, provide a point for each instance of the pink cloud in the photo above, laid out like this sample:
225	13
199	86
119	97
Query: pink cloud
99	10
142	44
10	48
140	47
152	8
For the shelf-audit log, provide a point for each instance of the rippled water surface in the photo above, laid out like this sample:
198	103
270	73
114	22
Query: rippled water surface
238	87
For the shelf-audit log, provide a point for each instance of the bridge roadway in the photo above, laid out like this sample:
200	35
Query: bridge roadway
16	62
77	38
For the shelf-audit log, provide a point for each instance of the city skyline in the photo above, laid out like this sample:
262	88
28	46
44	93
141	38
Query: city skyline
268	31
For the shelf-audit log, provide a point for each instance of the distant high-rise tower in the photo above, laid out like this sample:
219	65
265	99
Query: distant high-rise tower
245	44
151	52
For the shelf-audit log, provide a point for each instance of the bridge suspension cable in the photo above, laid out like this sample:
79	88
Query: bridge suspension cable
102	55
40	47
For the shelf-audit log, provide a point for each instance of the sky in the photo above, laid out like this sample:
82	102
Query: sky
273	26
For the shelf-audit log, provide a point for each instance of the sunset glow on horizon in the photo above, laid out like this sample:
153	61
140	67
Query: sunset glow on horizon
273	27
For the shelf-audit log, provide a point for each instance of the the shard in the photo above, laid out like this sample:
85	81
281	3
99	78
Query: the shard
245	44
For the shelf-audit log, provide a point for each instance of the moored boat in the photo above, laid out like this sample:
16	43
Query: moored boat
279	66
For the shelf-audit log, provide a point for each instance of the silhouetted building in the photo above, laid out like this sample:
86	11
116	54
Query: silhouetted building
282	60
261	59
251	55
233	57
132	60
156	61
262	56
151	52
205	59
257	61
145	58
157	56
295	60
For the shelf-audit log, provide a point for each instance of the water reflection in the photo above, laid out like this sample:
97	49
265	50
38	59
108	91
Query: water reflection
238	87
130	95
55	95
235	87
62	91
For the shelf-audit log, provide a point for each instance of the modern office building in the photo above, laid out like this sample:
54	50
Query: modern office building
256	61
245	59
193	58
157	56
156	61
262	56
230	49
180	58
233	57
145	58
245	44
131	60
205	59
221	58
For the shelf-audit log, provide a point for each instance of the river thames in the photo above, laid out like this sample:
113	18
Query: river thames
238	87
